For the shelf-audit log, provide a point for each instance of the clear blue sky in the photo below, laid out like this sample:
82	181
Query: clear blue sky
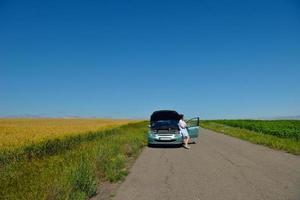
215	59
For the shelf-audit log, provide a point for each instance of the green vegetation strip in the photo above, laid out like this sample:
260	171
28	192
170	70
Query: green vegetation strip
73	173
280	128
287	143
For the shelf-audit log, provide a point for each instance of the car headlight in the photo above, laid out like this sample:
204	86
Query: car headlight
153	131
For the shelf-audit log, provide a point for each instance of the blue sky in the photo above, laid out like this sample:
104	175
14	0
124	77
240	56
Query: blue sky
125	59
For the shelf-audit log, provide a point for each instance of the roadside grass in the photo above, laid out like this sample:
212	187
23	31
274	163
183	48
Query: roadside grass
74	173
290	145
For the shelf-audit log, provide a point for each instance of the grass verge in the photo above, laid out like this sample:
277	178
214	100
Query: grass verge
74	173
286	144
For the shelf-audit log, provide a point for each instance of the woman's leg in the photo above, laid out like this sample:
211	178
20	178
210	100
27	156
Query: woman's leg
186	142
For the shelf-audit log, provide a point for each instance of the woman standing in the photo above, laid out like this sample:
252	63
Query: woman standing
183	130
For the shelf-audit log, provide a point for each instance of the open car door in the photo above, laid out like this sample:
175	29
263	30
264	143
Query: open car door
193	127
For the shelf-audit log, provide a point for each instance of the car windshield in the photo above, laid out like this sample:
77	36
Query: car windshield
164	124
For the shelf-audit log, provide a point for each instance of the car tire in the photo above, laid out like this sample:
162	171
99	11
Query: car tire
150	145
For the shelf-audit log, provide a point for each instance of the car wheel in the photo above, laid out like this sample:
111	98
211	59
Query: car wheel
150	145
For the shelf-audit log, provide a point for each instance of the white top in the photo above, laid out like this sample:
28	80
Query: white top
182	124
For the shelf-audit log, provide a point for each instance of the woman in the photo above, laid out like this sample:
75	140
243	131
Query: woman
183	130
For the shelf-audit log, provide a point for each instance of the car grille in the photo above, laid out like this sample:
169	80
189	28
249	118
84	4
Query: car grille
166	132
172	140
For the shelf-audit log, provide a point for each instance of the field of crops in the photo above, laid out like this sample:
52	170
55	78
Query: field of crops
277	134
18	132
280	128
65	158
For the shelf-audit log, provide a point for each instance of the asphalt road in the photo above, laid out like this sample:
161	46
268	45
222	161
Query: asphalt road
217	167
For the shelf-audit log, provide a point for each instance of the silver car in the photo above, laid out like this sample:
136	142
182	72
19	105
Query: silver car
164	129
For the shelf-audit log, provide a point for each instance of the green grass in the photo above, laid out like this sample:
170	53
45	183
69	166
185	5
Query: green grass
290	144
75	170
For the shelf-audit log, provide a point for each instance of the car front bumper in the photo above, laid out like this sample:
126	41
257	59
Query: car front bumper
164	139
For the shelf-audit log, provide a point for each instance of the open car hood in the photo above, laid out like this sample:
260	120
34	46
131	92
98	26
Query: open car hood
164	115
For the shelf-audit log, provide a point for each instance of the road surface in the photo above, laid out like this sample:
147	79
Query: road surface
217	167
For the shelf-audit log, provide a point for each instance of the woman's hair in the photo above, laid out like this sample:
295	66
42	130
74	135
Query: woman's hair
181	116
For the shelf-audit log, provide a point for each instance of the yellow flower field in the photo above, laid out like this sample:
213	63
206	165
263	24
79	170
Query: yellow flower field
19	132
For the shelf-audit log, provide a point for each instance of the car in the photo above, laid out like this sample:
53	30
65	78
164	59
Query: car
164	129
